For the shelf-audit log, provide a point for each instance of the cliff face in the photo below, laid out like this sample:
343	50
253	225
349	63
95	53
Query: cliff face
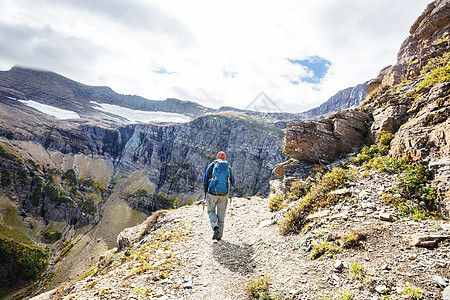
428	39
178	155
349	97
175	155
411	98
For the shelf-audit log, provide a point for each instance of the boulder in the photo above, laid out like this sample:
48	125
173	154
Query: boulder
373	84
327	139
130	235
446	293
387	118
425	240
292	168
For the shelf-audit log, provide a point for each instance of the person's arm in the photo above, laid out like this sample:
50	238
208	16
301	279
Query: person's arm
232	177
207	177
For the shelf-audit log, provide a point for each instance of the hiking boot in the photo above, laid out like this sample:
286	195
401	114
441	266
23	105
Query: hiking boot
216	233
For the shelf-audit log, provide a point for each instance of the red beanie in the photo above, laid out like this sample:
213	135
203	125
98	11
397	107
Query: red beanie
221	155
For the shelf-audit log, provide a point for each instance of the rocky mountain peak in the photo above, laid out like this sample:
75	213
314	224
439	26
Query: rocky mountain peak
430	35
346	98
432	27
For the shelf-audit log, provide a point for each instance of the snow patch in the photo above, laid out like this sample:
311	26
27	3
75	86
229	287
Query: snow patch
55	112
141	116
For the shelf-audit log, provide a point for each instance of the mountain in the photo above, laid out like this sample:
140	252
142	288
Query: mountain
56	90
349	97
75	172
71	184
53	89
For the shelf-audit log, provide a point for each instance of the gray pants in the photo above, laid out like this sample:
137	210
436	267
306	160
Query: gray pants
217	218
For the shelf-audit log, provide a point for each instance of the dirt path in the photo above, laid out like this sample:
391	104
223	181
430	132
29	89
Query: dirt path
179	260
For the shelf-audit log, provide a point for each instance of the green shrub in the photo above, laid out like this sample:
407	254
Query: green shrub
276	202
141	193
346	296
416	196
413	181
386	138
51	192
36	194
408	207
87	182
386	164
166	202
33	164
317	197
299	189
65	248
51	236
438	75
435	63
324	248
89	206
258	288
63	199
71	177
368	153
358	271
412	293
29	262
55	195
22	177
6	178
7	155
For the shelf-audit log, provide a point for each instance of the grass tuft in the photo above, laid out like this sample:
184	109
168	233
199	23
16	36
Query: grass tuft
258	288
323	249
276	202
352	240
412	293
316	198
358	271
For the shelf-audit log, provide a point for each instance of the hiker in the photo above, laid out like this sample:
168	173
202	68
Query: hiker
216	186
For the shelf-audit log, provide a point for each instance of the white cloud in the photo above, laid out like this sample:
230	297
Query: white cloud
201	43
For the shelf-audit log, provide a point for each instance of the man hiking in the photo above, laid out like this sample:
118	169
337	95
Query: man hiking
216	186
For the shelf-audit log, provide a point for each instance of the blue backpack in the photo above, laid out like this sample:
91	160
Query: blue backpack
218	185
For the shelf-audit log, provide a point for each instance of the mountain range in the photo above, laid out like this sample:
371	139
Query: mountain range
79	163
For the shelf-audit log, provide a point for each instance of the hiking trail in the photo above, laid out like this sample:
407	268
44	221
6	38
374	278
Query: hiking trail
177	258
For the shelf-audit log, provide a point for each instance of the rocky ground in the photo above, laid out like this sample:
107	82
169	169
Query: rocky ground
176	258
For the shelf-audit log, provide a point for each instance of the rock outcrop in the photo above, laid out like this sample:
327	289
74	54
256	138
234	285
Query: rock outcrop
429	38
411	98
327	139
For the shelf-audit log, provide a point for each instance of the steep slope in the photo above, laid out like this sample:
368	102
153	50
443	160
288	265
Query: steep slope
172	256
411	98
349	97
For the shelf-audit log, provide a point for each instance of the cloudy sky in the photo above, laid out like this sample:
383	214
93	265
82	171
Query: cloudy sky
298	52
